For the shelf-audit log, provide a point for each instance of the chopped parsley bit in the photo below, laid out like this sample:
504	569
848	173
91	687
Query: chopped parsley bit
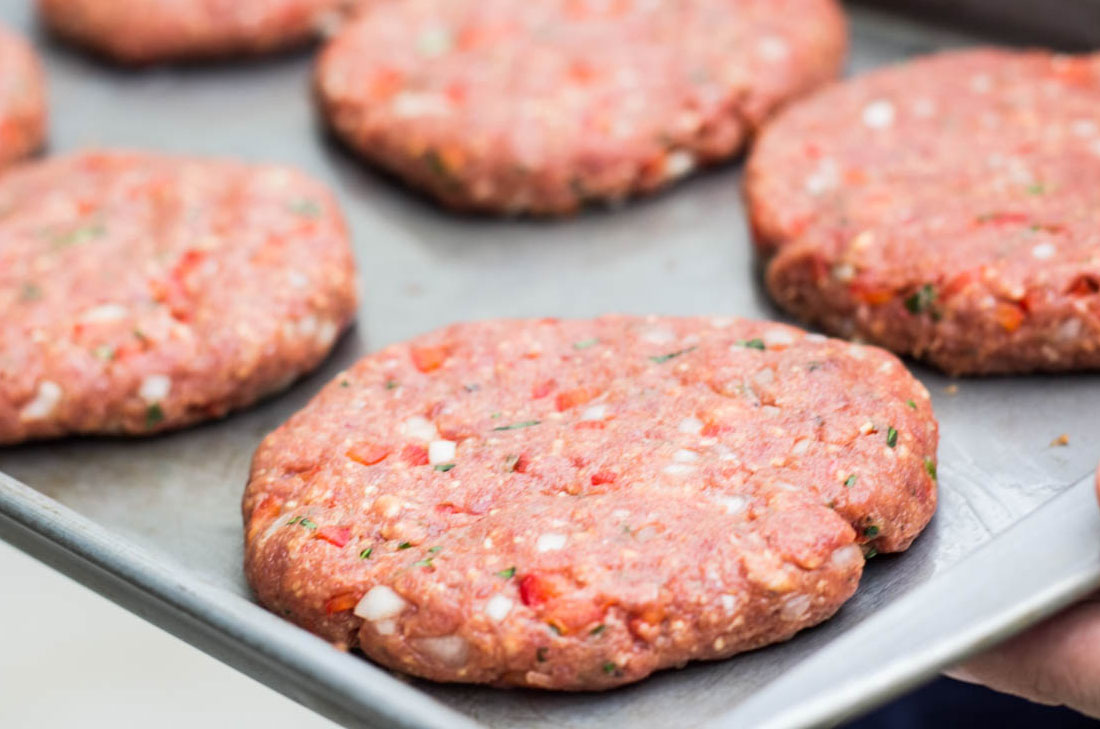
598	629
435	163
921	300
141	335
305	207
444	467
610	667
104	352
435	549
1036	188
871	553
366	553
870	531
404	545
391	384
751	344
586	343
518	426
930	468
495	416
345	383
671	355
911	404
508	573
851	480
426	562
510	463
82	234
153	415
30	291
540	654
813	367
891	436
303	521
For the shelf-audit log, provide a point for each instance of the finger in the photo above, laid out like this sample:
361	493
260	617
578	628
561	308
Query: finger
1057	662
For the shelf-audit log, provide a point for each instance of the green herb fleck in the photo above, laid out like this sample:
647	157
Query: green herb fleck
671	355
508	573
345	383
153	415
751	344
435	549
541	653
871	553
436	164
598	629
305	207
870	531
426	562
30	291
104	352
930	468
1036	188
921	300
295	520
366	553
911	404
141	336
851	480
586	343
813	366
444	467
304	522
518	426
610	667
391	384
404	545
495	416
79	235
891	436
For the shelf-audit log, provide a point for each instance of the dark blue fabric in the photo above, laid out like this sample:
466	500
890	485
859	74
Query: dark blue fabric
947	704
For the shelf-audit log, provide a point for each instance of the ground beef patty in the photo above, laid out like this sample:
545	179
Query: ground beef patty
948	208
140	31
141	293
22	99
504	106
575	504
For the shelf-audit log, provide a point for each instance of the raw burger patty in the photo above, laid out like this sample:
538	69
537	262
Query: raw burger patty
22	99
576	504
505	106
948	208
145	31
142	293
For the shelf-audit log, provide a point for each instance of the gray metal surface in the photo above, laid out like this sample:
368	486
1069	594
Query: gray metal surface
155	523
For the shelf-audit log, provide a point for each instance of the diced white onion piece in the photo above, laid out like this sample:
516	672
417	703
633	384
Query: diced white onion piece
550	542
420	428
451	650
678	469
1043	251
385	627
690	425
659	336
441	451
498	608
380	603
729	602
847	557
778	338
678	164
733	504
800	446
45	400
878	114
764	377
596	412
685	456
104	313
154	388
795	607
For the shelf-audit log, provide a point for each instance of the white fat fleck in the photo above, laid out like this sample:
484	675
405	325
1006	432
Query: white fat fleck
104	313
773	48
815	337
307	325
878	114
729	603
498	608
795	607
764	377
596	412
441	451
867	427
800	446
678	469
778	338
420	428
981	83
326	332
45	401
770	410
679	163
451	650
659	336
733	504
824	178
1043	251
847	557
1070	329
434	41
385	627
411	105
550	542
155	388
690	426
844	272
924	107
298	279
380	603
685	456
1085	128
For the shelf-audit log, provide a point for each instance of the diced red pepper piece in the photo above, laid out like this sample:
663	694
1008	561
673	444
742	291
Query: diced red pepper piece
542	389
337	536
341	603
368	453
415	455
872	295
536	589
1009	316
428	358
572	398
385	84
602	477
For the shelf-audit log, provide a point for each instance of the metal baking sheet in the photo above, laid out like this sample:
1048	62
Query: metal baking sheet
155	523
